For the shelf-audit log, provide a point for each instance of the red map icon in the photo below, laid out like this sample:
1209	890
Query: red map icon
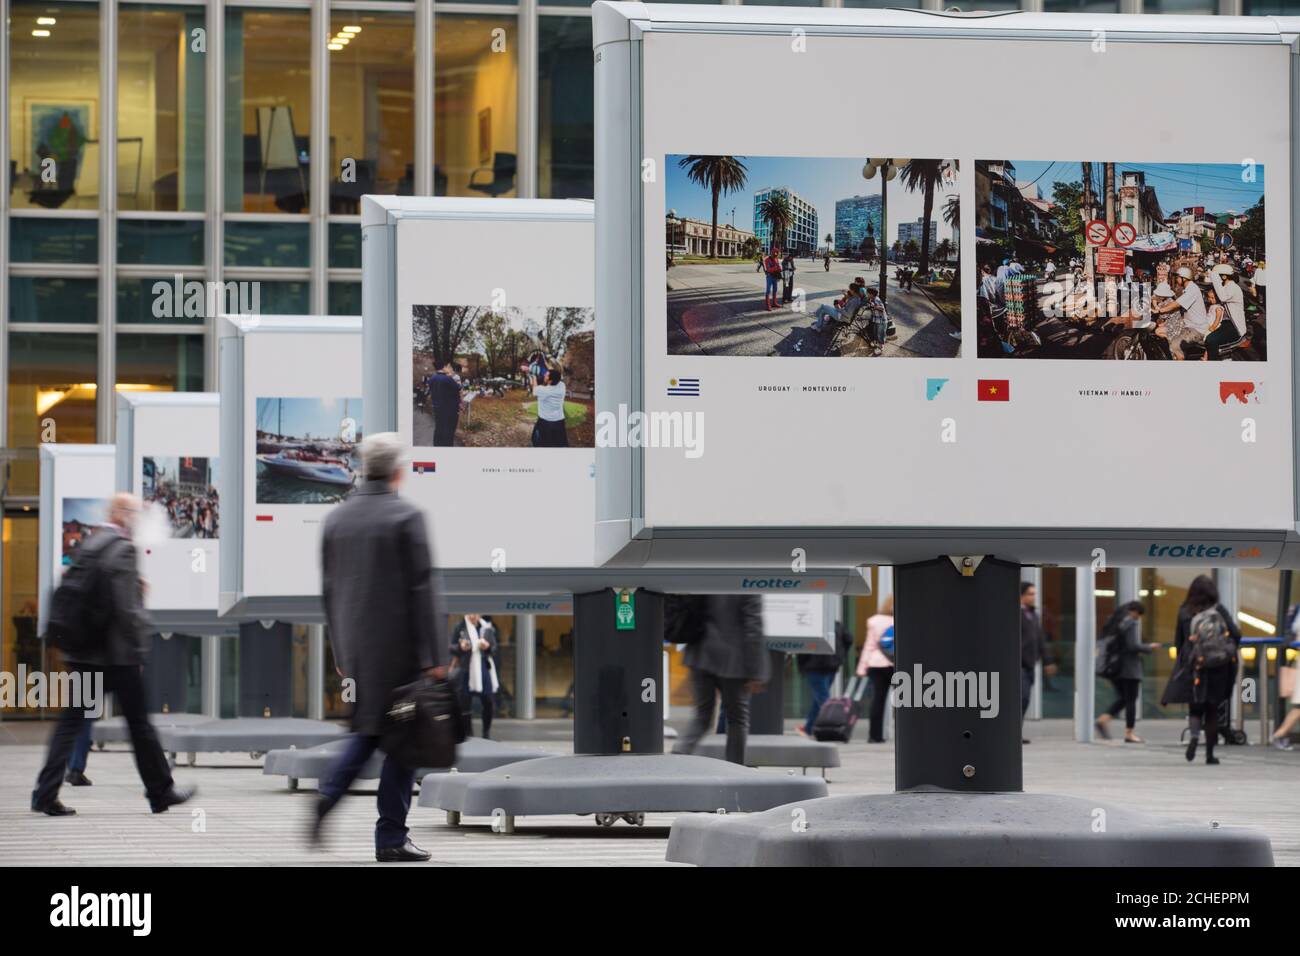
1242	391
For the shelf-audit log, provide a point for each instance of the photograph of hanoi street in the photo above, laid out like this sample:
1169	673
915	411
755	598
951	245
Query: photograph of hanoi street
790	256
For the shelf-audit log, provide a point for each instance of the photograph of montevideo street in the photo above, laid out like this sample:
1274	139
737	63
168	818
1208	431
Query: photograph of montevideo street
783	256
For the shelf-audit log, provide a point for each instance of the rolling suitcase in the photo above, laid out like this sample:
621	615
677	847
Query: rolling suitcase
839	715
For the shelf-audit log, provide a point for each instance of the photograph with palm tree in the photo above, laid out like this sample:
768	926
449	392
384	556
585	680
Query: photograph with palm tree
853	256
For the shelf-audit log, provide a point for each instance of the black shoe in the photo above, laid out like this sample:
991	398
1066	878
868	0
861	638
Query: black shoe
1191	749
408	852
76	778
54	809
317	833
171	798
1025	740
1211	760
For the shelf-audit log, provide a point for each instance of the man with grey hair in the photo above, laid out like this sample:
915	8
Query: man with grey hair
116	646
386	628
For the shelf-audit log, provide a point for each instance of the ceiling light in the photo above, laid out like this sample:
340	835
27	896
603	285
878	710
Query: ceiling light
46	21
334	46
351	30
40	33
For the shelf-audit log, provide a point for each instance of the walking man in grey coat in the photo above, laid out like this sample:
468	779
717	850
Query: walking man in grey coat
386	628
118	654
729	659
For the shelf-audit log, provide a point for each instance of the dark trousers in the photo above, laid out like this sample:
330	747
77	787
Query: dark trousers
127	687
1126	699
395	783
1026	689
487	702
81	748
444	430
735	704
879	678
819	683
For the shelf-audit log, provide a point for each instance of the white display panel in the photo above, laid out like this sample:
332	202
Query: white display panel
77	482
169	455
493	498
299	418
799	623
861	442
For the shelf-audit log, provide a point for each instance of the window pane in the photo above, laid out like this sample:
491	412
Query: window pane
372	107
54	105
163	242
51	394
345	245
49	239
53	299
1187	8
160	109
564	105
1271	8
345	298
268	244
1081	6
18	636
146	301
168	363
475	98
285	298
268	110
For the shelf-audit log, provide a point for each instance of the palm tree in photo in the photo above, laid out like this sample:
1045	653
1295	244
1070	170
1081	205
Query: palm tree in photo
775	210
924	174
952	216
829	240
719	175
943	250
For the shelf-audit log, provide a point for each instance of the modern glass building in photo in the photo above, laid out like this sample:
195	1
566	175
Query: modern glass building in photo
801	233
226	141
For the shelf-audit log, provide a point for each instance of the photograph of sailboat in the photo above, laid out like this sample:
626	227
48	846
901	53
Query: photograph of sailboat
306	449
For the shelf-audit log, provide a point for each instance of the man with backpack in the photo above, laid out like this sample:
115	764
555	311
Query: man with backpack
97	620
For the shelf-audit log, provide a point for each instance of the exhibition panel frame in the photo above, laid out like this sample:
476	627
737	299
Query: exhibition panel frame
168	455
76	484
948	448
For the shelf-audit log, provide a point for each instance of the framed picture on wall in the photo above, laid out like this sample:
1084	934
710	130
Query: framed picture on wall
485	136
57	130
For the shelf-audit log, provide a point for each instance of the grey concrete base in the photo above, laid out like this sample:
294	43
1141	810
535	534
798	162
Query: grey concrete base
112	730
253	735
613	786
960	829
473	756
773	750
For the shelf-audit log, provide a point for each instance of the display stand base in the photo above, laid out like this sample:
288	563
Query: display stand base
773	750
622	786
253	735
920	828
112	730
473	756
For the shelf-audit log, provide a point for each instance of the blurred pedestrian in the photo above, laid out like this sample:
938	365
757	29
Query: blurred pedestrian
1033	648
473	655
1207	642
117	651
1126	650
877	667
730	660
385	625
819	672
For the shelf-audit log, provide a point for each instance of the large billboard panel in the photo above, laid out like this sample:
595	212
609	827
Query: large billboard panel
743	251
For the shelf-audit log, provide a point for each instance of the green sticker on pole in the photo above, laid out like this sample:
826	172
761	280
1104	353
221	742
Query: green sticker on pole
624	610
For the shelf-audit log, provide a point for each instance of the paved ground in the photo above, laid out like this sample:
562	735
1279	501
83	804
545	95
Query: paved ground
250	819
718	310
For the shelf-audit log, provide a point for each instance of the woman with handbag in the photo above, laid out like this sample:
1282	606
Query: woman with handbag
1122	666
878	667
473	667
1281	737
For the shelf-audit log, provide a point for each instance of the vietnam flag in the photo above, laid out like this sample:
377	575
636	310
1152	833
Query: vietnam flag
995	390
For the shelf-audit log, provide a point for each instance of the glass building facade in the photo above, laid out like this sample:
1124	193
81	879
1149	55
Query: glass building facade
801	231
855	219
243	135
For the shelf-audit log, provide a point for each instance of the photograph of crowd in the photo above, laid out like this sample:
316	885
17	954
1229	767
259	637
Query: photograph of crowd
510	377
81	516
307	449
1105	260
185	488
778	256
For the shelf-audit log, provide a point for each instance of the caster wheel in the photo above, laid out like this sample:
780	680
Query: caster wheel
192	759
293	783
635	819
606	819
100	745
453	818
